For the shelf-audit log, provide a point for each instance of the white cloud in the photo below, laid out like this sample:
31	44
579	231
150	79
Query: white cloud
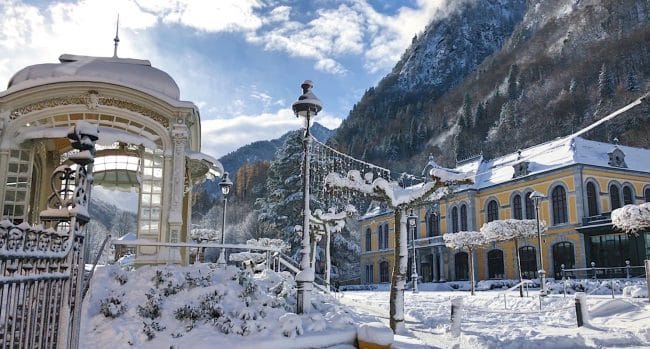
209	16
221	136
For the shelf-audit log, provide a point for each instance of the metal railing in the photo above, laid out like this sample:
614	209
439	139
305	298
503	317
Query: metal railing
599	273
427	242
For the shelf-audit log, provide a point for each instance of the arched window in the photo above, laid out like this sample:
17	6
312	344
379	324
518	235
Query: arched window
383	272
380	237
628	197
368	240
463	217
558	200
614	197
370	274
385	231
434	224
528	259
562	254
530	207
592	199
495	264
454	220
646	194
516	207
492	211
461	265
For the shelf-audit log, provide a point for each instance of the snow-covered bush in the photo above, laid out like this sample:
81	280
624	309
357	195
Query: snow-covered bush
151	327
291	325
635	291
112	306
168	283
199	280
151	308
632	218
249	287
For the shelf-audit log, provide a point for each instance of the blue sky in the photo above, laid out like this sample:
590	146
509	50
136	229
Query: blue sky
240	61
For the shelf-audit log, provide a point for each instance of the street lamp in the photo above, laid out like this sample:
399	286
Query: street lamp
306	106
225	185
412	221
536	197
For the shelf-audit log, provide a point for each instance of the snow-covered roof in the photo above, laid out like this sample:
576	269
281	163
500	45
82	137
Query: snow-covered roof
135	73
553	155
128	237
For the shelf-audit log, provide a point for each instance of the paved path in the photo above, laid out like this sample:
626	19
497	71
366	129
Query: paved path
380	309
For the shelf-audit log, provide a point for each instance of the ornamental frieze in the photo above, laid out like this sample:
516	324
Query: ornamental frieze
91	101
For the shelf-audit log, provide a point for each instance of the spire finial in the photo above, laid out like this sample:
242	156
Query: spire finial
117	37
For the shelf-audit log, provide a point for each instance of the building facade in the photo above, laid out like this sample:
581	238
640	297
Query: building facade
583	181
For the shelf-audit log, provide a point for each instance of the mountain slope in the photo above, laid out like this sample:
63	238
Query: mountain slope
497	75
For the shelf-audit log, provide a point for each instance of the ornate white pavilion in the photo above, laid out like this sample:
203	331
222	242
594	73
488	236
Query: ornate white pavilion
149	140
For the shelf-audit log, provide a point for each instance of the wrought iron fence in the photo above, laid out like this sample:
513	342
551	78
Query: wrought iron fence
42	265
598	273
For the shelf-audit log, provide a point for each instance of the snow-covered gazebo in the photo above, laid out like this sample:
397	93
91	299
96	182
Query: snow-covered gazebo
149	140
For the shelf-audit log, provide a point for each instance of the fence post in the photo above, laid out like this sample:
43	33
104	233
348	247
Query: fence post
647	275
627	268
456	315
582	316
611	285
593	268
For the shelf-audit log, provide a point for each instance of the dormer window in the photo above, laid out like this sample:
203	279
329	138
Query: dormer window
521	169
617	158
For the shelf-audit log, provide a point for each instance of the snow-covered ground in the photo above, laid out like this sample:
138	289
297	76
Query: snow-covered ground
488	323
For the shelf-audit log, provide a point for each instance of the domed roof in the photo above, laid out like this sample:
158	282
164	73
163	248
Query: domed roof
135	73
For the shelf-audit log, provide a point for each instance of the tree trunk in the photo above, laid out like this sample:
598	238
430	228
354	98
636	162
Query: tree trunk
471	270
521	279
328	257
398	280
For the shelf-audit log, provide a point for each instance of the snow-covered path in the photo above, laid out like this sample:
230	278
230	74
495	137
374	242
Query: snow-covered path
622	322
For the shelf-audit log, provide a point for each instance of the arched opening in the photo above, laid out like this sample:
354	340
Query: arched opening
461	266
530	207
592	199
563	253
492	211
516	207
628	195
454	220
495	264
528	258
646	195
614	197
368	240
434	224
463	217
384	275
558	200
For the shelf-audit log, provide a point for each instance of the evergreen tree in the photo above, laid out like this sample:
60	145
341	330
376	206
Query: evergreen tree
513	77
605	84
466	113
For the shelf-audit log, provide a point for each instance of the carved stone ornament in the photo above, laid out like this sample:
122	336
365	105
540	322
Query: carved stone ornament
92	101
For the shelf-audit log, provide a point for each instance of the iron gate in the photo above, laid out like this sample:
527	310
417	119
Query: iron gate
42	266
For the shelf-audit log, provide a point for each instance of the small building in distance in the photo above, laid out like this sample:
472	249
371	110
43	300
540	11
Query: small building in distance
583	181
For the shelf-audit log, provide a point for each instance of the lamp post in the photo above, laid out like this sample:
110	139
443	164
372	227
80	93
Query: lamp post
536	197
412	224
225	185
307	106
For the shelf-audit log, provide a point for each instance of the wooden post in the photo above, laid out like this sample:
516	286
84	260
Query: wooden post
581	308
456	315
647	276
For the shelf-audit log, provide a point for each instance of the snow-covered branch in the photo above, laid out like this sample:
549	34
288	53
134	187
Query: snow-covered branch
391	192
266	242
464	239
508	229
632	218
201	235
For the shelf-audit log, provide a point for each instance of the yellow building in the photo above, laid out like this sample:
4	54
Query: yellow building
583	181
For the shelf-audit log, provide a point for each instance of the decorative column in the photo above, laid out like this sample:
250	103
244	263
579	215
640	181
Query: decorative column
179	135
